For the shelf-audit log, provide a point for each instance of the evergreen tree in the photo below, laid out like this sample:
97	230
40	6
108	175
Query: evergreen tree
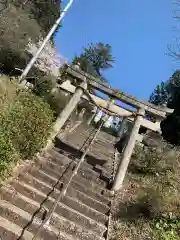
173	88
160	94
169	92
95	59
85	65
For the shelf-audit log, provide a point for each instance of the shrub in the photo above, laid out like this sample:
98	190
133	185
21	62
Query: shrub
23	23
57	101
45	12
148	205
7	92
8	154
145	162
27	123
44	85
16	29
167	227
170	128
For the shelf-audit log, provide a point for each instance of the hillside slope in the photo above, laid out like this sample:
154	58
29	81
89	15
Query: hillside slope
23	25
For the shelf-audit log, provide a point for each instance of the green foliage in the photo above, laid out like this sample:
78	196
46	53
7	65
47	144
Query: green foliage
167	227
171	125
100	56
7	92
149	162
171	128
149	205
46	88
95	59
173	87
27	122
44	85
160	94
169	93
45	12
85	65
57	101
21	23
16	28
8	154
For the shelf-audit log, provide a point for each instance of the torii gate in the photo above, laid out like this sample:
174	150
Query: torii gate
72	74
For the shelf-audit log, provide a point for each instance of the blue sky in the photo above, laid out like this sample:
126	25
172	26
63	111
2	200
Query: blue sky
138	31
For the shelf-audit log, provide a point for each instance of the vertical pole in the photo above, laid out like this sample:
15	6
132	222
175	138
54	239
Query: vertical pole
123	124
81	114
92	116
66	112
45	41
79	121
123	166
158	123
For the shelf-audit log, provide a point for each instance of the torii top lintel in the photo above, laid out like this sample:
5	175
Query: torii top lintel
154	110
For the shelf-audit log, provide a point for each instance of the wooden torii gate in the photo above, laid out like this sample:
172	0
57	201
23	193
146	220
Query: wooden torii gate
73	75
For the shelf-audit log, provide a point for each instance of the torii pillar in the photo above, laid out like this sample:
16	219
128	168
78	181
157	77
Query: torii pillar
123	166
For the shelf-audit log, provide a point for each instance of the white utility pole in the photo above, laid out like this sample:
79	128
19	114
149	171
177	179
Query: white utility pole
47	38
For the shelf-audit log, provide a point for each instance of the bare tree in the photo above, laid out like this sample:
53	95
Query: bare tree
174	48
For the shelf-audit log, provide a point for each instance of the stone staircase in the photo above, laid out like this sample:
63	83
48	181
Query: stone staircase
81	214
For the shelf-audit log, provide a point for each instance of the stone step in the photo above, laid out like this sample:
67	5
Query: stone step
76	145
62	159
106	147
66	227
82	214
84	209
4	233
10	230
67	200
58	157
89	168
23	224
82	188
62	210
78	183
83	173
84	136
105	151
96	184
100	207
92	161
94	173
82	197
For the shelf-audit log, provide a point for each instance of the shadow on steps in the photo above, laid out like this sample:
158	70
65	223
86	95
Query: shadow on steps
74	153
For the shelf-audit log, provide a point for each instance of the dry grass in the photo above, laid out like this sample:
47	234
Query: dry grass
150	195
